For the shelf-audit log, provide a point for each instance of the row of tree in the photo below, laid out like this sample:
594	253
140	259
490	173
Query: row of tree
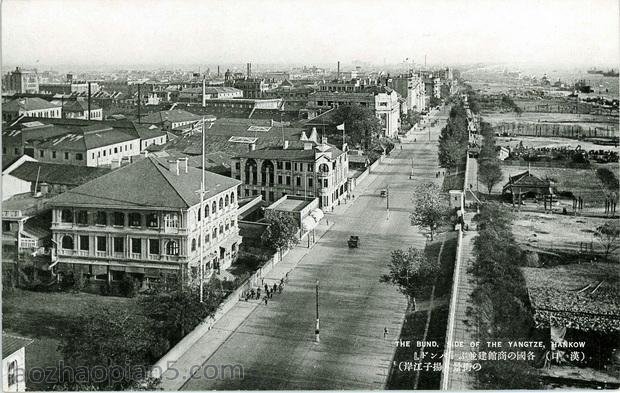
453	138
489	167
501	312
121	344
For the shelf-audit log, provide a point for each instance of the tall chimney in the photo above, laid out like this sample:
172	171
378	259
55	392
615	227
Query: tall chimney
184	161
204	91
249	66
338	72
173	166
218	71
252	147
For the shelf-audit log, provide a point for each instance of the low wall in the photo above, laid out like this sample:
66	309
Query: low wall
162	365
453	296
447	354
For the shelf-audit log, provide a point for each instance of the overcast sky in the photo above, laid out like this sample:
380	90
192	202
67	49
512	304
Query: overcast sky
558	32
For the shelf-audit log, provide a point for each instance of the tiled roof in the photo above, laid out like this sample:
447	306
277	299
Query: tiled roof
11	344
27	104
174	115
44	172
147	183
147	131
78	106
89	139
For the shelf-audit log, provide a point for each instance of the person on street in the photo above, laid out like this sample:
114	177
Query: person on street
265	298
266	288
258	293
385	332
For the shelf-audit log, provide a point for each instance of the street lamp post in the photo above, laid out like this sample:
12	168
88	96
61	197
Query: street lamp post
316	330
387	197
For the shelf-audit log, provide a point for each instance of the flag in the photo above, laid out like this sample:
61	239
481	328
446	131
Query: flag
340	127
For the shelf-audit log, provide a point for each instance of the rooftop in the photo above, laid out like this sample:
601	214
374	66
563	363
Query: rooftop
174	115
11	344
89	139
289	204
43	172
27	104
147	183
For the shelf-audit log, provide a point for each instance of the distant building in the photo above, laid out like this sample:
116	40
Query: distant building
21	81
150	134
303	168
78	109
144	220
382	100
91	146
412	89
30	107
251	87
14	363
194	94
45	178
172	120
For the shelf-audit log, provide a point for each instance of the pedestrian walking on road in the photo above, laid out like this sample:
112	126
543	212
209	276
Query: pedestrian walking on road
266	288
265	298
280	287
385	332
275	287
258	293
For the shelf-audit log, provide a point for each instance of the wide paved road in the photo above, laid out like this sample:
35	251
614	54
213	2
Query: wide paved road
275	344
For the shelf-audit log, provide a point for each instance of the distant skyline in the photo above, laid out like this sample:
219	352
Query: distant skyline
176	32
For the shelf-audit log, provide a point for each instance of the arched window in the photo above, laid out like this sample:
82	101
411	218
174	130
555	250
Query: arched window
193	244
172	248
207	210
221	203
227	226
323	168
67	242
199	215
66	216
221	229
213	207
226	201
232	197
207	238
214	234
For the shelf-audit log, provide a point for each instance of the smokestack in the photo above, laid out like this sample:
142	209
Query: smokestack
88	100
218	71
204	91
249	66
338	72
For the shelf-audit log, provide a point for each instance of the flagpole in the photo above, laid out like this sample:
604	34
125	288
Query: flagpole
200	211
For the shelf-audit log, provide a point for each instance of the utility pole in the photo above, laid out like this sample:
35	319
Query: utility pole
88	101
201	212
387	198
138	103
316	331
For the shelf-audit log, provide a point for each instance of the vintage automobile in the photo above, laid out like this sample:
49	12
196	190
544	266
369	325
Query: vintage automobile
353	241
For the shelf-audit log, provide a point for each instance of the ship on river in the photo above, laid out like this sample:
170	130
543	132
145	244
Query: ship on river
595	71
611	73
